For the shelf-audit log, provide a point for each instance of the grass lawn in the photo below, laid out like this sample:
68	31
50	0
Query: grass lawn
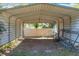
64	52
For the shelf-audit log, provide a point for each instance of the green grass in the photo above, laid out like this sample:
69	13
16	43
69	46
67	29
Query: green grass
43	53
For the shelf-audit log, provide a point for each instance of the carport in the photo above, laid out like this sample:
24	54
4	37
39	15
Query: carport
42	13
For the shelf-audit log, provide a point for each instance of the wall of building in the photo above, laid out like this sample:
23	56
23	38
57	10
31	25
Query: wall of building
38	32
5	36
74	27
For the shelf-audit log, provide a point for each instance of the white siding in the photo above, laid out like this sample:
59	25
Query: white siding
4	36
74	27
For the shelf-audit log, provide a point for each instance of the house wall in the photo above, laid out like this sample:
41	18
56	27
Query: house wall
74	27
38	32
5	36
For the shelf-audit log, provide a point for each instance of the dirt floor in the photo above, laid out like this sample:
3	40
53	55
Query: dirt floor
37	47
35	44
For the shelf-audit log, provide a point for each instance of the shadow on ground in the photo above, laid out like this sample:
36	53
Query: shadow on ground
44	47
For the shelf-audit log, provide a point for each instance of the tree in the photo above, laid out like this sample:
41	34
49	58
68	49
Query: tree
76	5
36	25
43	25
